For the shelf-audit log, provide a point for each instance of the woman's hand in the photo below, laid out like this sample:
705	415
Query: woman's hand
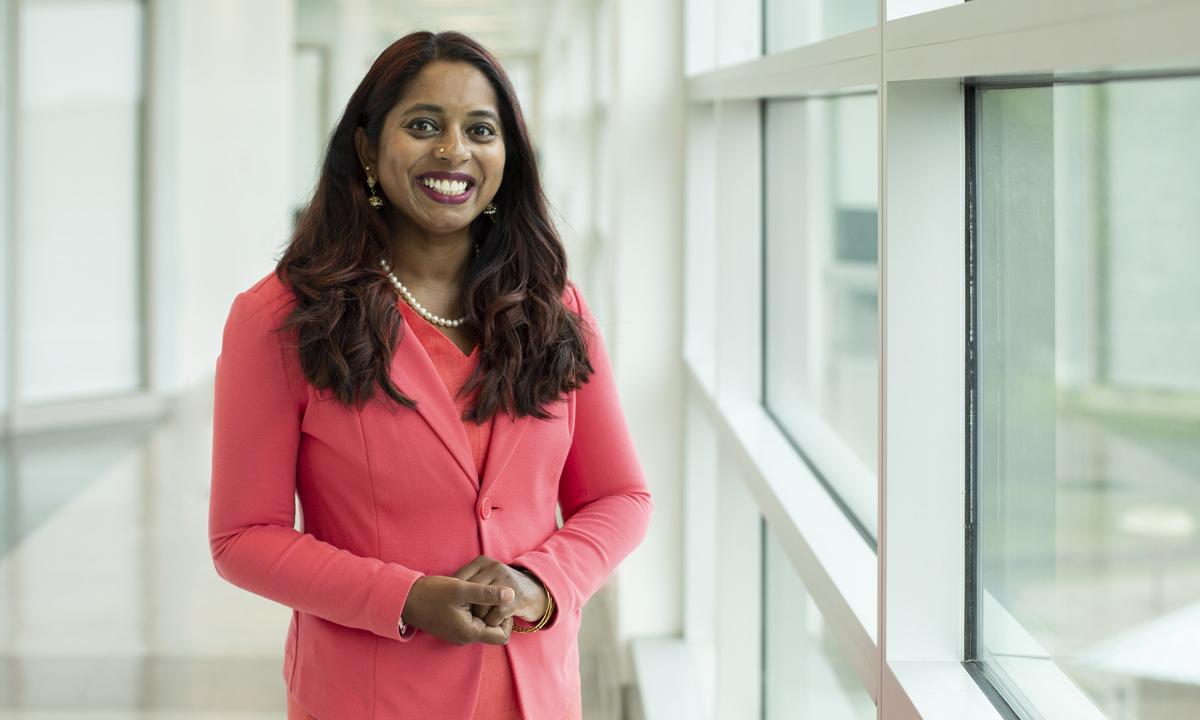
528	603
443	606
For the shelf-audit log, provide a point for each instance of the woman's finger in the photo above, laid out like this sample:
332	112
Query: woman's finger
486	575
492	635
497	615
470	569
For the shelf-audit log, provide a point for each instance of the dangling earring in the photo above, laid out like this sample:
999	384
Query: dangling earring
375	200
490	211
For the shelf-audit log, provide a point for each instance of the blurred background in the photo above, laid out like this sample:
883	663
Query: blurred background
156	155
901	296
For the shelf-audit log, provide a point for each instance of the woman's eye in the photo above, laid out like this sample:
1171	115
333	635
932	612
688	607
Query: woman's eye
417	125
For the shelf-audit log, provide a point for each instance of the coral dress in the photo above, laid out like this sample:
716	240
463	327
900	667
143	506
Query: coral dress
497	694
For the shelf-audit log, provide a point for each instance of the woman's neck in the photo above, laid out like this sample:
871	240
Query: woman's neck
423	259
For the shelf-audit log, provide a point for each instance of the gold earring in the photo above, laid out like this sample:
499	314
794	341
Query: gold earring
375	200
490	211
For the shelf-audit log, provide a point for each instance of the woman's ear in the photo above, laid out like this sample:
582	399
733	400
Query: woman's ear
366	156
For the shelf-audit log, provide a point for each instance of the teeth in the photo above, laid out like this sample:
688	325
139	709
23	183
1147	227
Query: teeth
446	187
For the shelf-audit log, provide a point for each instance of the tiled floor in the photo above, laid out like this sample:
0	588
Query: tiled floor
110	608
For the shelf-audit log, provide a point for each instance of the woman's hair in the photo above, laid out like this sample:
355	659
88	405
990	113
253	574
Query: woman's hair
346	320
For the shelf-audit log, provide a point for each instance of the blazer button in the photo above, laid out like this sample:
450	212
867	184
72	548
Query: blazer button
485	507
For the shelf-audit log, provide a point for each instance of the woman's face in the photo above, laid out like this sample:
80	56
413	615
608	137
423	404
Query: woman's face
442	134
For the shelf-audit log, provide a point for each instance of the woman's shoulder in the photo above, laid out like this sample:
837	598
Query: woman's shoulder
258	313
265	303
271	293
572	297
252	330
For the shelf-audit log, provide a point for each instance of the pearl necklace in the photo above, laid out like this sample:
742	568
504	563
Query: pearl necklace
412	301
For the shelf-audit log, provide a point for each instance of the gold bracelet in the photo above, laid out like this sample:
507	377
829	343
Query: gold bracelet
545	617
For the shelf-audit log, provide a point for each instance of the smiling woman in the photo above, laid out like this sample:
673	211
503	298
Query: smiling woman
443	140
430	578
433	110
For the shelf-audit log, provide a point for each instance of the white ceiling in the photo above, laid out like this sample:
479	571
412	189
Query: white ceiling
508	28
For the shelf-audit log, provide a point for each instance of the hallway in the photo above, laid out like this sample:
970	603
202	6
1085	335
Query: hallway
106	619
899	298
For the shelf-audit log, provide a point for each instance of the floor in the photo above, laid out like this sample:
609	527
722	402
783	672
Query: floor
110	608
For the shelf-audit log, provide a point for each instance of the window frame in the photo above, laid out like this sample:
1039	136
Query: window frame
829	454
146	400
922	55
1035	677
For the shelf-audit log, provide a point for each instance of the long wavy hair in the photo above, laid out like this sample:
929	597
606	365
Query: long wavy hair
345	320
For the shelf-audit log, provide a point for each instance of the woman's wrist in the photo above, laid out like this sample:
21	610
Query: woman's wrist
542	613
533	611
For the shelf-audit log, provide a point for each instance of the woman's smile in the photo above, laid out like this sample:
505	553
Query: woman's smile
446	191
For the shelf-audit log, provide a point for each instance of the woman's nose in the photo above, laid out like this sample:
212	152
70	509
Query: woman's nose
455	147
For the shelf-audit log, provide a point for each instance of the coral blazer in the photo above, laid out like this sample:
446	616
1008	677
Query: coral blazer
389	494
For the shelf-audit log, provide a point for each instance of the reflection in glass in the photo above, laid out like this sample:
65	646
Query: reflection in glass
806	675
1089	397
821	277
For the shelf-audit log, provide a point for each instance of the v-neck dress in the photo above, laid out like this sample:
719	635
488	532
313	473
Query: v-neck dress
497	695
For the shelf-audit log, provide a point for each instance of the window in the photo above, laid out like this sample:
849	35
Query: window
792	24
821	289
78	202
971	327
805	673
1089	395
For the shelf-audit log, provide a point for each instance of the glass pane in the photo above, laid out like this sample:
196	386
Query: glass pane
822	288
806	675
1089	388
792	23
79	199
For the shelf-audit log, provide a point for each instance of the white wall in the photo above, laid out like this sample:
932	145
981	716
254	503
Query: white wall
220	168
570	124
647	116
612	121
8	54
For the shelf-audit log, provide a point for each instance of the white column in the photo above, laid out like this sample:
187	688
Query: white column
219	168
643	316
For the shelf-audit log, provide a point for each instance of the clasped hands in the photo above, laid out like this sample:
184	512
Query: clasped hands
475	604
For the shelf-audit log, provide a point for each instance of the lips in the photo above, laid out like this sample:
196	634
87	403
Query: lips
444	190
443	175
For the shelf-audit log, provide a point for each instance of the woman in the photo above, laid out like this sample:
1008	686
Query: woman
421	373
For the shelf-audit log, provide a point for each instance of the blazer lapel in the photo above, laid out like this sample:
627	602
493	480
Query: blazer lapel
414	373
506	433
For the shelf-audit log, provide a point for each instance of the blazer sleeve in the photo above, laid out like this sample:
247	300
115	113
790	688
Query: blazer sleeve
251	522
602	492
